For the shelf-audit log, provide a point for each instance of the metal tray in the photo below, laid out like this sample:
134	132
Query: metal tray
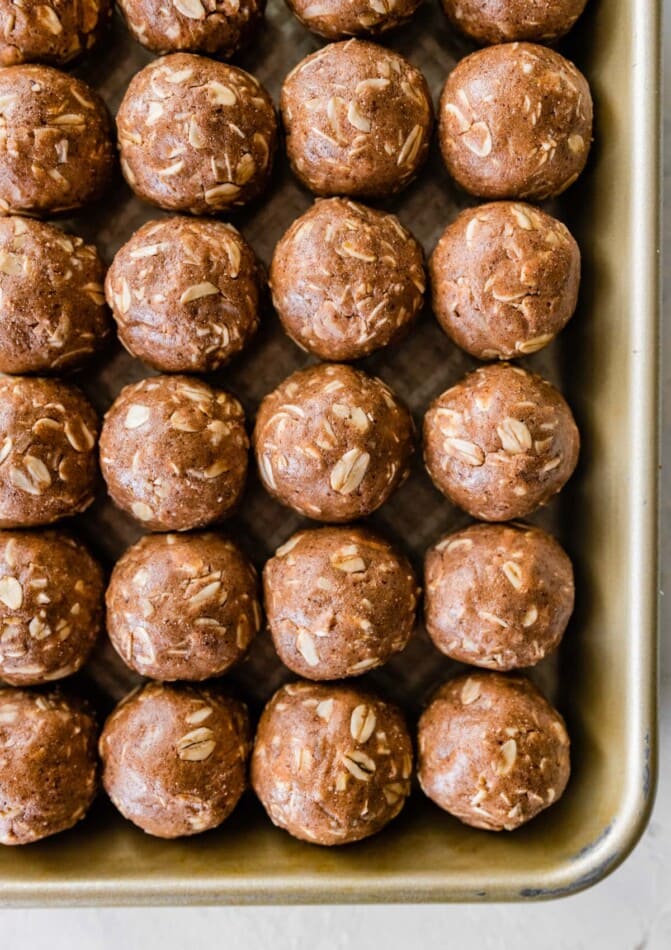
604	676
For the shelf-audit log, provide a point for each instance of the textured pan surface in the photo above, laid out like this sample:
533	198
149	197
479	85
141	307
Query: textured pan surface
604	678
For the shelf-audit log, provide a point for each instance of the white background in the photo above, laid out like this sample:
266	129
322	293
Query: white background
631	910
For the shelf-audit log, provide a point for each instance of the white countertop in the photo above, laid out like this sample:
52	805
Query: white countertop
631	910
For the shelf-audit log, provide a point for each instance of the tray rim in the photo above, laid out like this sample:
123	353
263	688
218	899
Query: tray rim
620	837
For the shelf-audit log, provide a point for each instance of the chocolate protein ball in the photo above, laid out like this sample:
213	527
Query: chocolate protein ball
492	751
336	19
56	151
48	467
182	607
53	32
331	764
346	280
500	443
174	758
332	443
173	452
497	596
339	602
357	119
501	21
52	306
196	135
215	27
48	765
185	294
51	599
515	122
505	279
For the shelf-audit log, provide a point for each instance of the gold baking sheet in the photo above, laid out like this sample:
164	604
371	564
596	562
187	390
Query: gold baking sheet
603	679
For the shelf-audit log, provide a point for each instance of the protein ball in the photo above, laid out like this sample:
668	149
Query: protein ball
500	443
515	122
215	27
497	596
185	294
358	120
52	307
339	602
331	764
49	768
332	443
173	452
346	280
174	758
56	151
51	599
48	465
505	279
500	21
196	135
182	607
54	32
492	751
336	19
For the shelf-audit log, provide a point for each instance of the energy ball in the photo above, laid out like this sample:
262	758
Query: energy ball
331	764
55	32
185	294
173	452
48	465
174	758
347	280
215	27
497	596
500	443
56	150
501	21
196	135
182	607
492	751
52	306
49	773
332	443
515	122
336	19
505	279
358	120
339	602
51	600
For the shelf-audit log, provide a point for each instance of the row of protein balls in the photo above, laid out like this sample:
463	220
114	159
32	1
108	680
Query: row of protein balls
339	601
330	763
331	442
187	293
60	32
198	135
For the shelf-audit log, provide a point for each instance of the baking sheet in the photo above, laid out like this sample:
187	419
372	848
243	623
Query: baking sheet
601	679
